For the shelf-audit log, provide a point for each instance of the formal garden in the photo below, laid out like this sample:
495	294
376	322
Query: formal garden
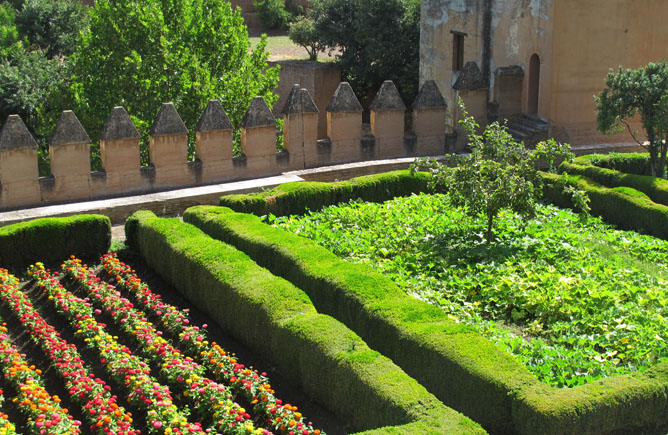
469	294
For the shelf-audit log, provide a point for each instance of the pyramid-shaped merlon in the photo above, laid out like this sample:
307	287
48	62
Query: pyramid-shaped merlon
15	135
118	126
429	97
258	115
387	98
213	118
168	122
68	130
344	100
299	101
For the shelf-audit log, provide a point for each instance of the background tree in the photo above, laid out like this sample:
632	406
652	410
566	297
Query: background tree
643	92
36	38
302	32
141	54
379	40
499	174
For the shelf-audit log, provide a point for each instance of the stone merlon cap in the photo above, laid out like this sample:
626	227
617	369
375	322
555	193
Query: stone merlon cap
168	121
299	101
470	78
119	126
213	118
15	135
258	115
344	100
387	98
429	97
68	130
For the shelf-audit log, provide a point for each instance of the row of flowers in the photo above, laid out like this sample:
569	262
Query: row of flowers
44	413
6	426
255	386
99	407
125	368
209	398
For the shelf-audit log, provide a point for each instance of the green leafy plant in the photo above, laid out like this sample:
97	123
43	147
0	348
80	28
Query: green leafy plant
499	173
643	92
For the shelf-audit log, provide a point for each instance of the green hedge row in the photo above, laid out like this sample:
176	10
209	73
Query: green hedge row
625	207
630	163
277	319
655	188
53	239
464	370
298	197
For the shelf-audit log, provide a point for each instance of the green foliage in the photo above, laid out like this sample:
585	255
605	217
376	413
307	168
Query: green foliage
276	14
574	301
643	92
52	26
9	34
140	54
379	40
303	33
53	239
498	174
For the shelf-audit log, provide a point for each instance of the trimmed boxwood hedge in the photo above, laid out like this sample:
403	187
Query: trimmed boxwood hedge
630	163
300	196
278	320
53	239
464	370
655	188
623	206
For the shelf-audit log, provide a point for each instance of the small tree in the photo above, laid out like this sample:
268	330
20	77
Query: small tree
643	92
498	174
302	32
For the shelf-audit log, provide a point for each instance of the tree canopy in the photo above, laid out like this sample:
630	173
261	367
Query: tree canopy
644	92
141	54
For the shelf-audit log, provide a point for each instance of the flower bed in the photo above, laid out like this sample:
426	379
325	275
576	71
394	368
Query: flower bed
43	410
100	407
253	385
6	426
206	396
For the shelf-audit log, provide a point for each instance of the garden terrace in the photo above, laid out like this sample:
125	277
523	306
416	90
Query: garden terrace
328	360
481	380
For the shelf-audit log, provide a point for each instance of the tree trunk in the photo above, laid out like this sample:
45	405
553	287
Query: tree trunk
489	238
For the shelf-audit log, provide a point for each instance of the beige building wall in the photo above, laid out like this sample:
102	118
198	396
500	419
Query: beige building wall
577	43
590	38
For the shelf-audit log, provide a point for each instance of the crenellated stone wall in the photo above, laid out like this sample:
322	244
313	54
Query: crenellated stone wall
72	180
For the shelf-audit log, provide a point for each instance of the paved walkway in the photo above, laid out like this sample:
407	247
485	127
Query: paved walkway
174	202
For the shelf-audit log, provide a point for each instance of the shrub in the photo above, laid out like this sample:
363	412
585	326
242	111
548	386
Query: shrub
276	14
53	239
298	197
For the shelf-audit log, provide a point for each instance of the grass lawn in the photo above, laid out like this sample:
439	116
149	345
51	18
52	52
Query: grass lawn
573	300
281	47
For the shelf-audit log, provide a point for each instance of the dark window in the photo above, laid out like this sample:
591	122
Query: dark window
458	51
